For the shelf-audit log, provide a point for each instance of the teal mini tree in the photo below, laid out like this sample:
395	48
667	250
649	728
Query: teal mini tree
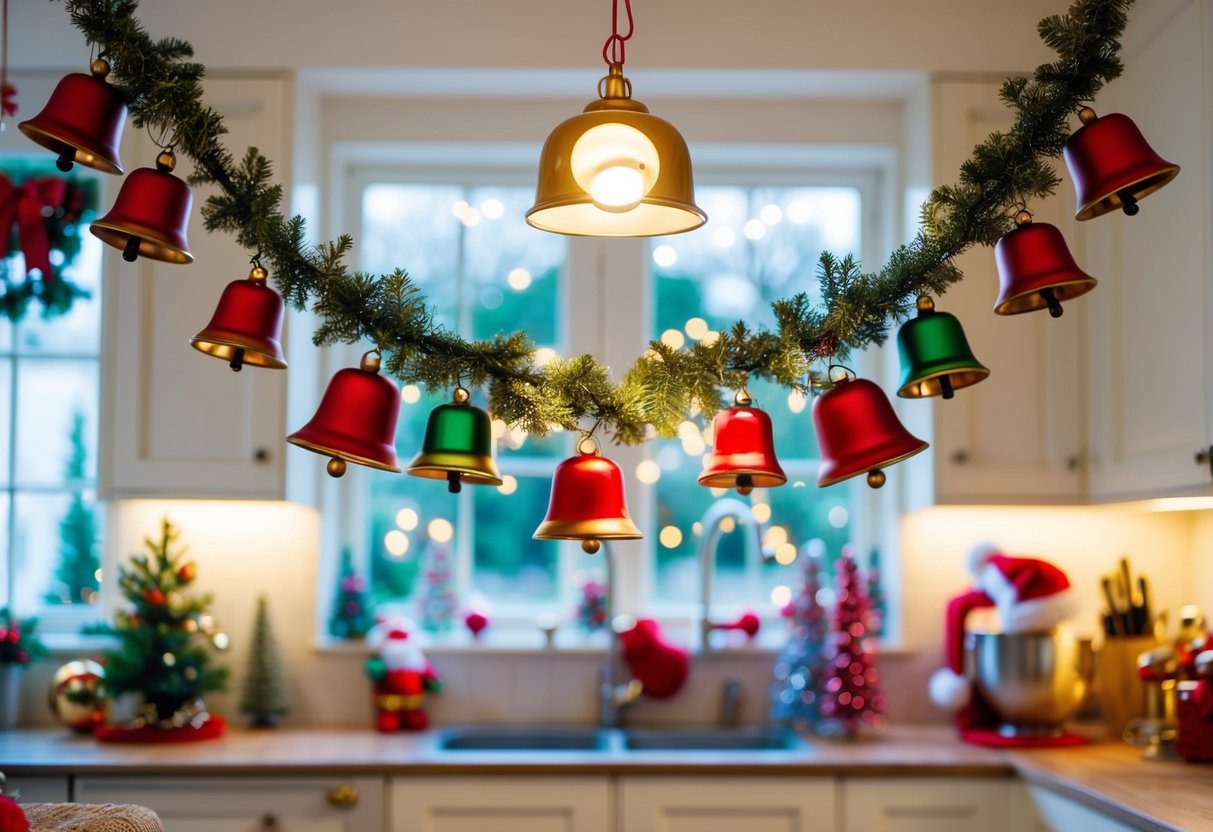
351	616
436	597
165	636
800	670
76	576
264	695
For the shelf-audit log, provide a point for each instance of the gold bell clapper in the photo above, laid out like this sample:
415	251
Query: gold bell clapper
1112	165
247	325
458	445
1036	269
150	215
587	502
82	121
858	432
356	420
743	449
936	359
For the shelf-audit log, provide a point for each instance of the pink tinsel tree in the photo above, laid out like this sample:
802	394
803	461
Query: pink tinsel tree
852	692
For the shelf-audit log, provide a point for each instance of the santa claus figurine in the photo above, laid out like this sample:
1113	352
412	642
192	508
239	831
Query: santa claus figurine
1028	595
401	675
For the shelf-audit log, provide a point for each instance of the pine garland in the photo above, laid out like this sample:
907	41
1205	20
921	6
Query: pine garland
164	92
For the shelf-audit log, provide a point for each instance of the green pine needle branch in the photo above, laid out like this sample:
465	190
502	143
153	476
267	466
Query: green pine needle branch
164	91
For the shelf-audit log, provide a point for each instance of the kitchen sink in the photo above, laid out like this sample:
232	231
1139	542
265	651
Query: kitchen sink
713	739
488	738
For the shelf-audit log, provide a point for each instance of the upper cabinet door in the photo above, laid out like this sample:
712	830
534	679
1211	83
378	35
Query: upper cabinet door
176	422
1149	335
1014	437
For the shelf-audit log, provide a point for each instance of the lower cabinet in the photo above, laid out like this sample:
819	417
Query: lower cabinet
1050	812
501	804
728	804
931	804
228	804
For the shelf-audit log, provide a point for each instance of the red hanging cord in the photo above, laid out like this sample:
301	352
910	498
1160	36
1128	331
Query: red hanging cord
613	50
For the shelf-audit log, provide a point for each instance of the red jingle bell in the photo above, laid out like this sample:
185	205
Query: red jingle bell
1036	269
247	325
82	121
150	215
743	450
356	420
858	432
1112	165
588	502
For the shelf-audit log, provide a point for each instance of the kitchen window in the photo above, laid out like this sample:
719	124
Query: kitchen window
468	248
50	523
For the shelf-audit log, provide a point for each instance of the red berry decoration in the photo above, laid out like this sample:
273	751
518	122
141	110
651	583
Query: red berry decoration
476	622
187	572
154	597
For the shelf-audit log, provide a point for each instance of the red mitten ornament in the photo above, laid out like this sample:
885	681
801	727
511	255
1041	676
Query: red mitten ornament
659	666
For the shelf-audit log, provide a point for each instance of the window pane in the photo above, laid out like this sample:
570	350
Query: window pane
5	572
50	396
6	419
508	564
407	514
55	549
79	331
762	244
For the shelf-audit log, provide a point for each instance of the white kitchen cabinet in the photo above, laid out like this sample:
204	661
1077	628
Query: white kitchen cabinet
728	804
175	422
1014	437
1048	811
935	804
501	804
1149	379
247	804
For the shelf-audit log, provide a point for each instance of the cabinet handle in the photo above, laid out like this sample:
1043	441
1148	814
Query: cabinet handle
960	457
269	822
1072	462
1205	457
343	797
261	456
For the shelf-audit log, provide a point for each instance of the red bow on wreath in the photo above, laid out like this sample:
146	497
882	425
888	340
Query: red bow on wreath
8	100
29	205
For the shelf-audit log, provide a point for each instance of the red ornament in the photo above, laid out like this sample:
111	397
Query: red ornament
12	817
1036	269
1112	165
743	453
150	215
747	622
858	432
588	502
8	100
187	572
82	122
154	597
356	420
476	622
247	325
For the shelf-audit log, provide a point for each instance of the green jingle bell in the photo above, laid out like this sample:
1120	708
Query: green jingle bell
458	445
935	356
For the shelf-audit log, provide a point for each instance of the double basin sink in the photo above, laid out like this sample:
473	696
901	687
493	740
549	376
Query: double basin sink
595	739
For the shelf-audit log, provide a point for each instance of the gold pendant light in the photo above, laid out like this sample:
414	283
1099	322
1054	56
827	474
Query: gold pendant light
615	170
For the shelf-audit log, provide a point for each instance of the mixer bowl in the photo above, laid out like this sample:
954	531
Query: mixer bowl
1033	681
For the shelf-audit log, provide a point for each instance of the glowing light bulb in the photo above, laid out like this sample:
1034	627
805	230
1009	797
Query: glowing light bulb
617	188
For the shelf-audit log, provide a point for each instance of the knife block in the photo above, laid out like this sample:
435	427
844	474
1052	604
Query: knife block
1121	696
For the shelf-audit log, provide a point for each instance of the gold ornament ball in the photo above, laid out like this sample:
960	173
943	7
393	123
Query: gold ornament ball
590	547
100	68
77	695
876	478
166	161
336	467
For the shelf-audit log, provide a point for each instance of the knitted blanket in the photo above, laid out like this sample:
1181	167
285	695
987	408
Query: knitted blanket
84	817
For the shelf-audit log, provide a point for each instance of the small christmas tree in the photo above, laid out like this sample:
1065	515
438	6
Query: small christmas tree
264	696
76	576
591	603
351	615
852	695
800	670
436	598
165	636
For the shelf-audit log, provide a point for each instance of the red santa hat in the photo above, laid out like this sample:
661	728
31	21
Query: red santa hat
1029	594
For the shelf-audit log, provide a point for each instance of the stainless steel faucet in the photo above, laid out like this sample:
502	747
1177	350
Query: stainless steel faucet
613	697
709	540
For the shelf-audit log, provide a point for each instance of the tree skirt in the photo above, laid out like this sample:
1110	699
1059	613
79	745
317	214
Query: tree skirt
211	728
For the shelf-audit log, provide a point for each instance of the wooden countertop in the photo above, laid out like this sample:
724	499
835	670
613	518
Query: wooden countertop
1110	777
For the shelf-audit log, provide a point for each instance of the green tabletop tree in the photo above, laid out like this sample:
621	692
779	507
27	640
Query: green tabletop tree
265	695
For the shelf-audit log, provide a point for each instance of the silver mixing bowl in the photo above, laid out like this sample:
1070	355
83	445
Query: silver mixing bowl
1033	681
